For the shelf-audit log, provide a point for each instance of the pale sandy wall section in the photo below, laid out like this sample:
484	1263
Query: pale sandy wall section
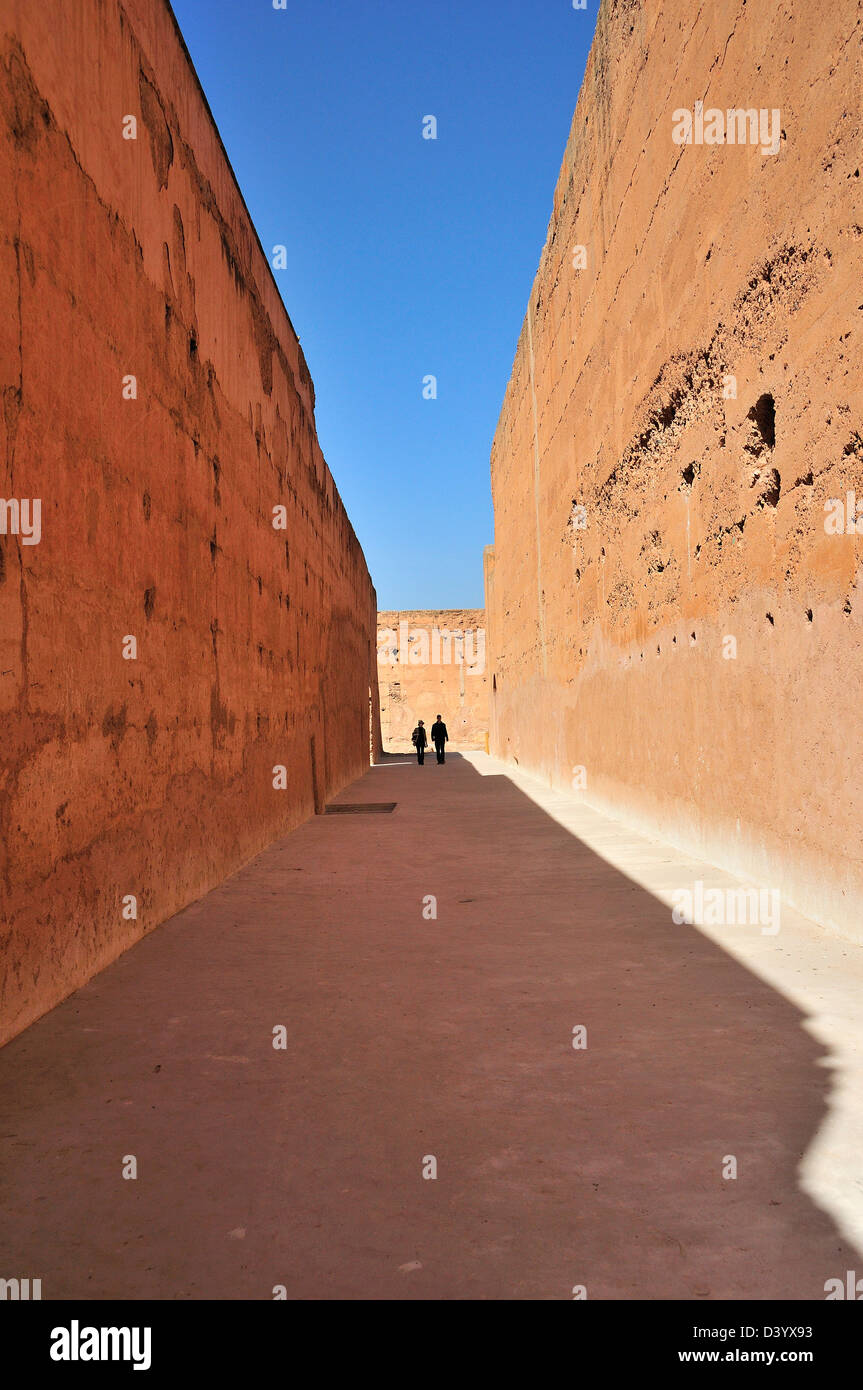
433	662
129	787
666	609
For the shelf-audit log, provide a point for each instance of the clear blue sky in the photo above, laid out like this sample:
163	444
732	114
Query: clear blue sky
406	257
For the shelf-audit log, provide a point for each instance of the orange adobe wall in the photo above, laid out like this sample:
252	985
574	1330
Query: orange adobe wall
136	776
674	594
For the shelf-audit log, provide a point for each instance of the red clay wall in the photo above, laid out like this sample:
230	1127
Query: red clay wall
609	627
433	662
255	646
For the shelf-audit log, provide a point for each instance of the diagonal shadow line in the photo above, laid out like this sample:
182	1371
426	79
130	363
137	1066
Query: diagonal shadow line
410	1037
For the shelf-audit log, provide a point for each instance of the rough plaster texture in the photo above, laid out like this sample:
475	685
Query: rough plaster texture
255	646
704	519
420	678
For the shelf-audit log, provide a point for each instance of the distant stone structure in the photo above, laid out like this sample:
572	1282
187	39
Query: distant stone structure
675	591
433	662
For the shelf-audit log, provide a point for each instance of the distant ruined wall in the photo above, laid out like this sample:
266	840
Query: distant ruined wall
669	607
150	778
422	675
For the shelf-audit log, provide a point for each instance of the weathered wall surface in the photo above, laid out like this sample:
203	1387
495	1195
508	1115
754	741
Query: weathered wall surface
153	777
421	675
707	269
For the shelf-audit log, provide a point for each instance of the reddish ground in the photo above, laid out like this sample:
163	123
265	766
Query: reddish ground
409	1037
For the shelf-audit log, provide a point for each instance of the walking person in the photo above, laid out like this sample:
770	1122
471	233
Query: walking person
439	737
419	739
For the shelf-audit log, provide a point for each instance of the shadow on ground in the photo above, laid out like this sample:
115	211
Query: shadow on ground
409	1038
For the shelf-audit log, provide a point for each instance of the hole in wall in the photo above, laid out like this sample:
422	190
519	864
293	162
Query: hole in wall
763	413
769	487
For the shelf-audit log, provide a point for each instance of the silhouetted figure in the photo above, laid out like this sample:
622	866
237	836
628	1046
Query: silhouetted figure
439	738
419	739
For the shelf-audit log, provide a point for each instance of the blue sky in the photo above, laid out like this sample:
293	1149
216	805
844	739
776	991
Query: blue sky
405	257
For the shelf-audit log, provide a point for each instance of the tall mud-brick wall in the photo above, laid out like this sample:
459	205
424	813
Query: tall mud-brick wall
674	595
433	662
186	671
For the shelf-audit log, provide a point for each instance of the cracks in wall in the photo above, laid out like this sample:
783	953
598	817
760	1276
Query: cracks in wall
24	128
688	393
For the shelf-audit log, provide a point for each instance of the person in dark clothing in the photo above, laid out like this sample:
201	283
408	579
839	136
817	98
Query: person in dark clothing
419	740
439	738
